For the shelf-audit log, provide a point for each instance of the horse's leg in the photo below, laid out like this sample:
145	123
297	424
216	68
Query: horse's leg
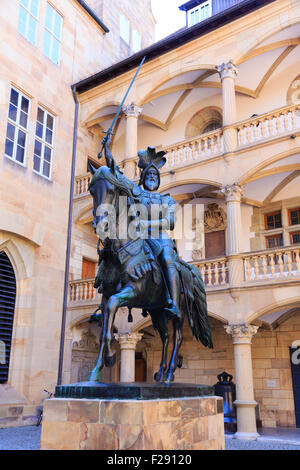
95	374
177	340
159	323
121	299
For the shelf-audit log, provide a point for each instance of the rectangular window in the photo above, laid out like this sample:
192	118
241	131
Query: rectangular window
273	220
200	13
124	28
136	40
17	126
275	241
52	34
28	19
294	216
88	269
295	238
43	144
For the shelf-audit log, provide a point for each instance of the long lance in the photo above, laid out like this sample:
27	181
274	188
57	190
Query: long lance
110	130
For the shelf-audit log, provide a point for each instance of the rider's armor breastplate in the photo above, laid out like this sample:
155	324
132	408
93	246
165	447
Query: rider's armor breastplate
148	199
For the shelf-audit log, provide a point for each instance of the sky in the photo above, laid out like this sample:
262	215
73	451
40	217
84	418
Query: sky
168	17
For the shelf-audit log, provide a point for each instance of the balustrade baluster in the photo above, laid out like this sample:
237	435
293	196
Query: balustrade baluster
209	275
255	127
280	264
278	123
272	264
256	267
263	129
294	119
216	272
289	263
223	268
248	268
286	121
297	260
264	266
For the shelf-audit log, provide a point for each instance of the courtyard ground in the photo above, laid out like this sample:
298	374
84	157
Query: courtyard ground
28	438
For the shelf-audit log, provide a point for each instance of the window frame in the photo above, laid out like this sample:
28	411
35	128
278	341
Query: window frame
290	217
277	236
16	124
199	8
135	30
297	232
52	35
28	15
122	15
268	214
43	142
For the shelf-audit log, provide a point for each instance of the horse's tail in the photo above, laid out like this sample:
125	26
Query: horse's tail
198	317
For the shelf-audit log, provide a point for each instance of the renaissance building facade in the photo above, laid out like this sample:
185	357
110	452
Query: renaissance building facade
221	97
46	47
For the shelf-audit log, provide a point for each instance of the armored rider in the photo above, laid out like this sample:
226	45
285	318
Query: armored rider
157	237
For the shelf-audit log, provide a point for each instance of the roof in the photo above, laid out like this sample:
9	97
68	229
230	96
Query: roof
171	42
93	15
191	4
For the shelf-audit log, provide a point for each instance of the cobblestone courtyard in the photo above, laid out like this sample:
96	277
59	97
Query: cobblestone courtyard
28	438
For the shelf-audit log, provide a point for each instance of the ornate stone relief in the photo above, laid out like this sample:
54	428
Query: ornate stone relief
214	220
293	95
88	341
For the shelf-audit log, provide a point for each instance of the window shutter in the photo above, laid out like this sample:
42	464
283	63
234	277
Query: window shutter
7	309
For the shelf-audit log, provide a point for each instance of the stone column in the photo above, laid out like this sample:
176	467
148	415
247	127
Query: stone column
233	195
228	72
245	403
132	112
128	344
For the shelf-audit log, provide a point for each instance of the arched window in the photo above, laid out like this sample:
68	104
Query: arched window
7	310
205	120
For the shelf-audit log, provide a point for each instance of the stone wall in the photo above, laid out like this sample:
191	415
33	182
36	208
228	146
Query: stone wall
273	388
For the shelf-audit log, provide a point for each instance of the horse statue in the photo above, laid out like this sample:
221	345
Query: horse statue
130	275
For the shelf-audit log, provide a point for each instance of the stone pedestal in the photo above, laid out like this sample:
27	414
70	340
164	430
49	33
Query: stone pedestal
192	423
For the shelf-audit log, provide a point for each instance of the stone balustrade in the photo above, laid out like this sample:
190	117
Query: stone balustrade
272	124
214	272
269	125
281	263
195	149
83	290
261	266
81	185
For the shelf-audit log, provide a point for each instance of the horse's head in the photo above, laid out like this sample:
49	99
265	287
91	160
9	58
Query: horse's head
104	193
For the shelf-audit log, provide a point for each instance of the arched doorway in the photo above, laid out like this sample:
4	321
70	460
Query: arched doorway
7	310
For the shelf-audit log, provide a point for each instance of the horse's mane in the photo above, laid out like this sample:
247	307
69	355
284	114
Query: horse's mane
115	178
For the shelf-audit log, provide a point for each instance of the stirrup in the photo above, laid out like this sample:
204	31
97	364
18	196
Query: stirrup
172	308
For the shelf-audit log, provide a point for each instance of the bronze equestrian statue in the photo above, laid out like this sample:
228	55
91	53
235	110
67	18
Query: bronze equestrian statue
142	269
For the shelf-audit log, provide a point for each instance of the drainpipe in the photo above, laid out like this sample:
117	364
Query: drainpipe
68	249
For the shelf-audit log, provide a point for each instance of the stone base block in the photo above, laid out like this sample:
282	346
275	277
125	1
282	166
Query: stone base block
163	424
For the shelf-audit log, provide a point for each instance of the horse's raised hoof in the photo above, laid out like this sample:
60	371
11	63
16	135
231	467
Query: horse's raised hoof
169	378
110	361
95	375
159	377
179	361
95	317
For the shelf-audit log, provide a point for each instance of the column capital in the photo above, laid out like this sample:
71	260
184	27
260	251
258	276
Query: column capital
241	334
233	193
227	70
132	110
128	340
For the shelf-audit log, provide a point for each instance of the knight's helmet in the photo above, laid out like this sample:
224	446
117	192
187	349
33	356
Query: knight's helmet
150	159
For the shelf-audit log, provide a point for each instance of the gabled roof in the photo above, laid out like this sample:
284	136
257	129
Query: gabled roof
171	42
